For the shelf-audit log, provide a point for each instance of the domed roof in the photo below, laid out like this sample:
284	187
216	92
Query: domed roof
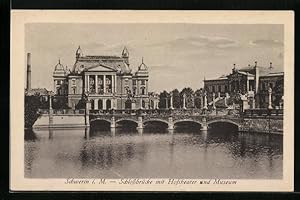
125	69
59	69
143	66
59	66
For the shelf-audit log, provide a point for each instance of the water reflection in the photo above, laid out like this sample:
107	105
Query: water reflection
116	153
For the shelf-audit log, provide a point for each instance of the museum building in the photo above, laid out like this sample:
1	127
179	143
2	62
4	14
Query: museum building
254	82
107	82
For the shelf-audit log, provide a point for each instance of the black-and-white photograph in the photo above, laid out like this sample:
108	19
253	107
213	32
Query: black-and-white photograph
154	100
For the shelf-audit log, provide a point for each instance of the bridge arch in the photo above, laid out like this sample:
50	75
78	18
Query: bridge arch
124	120
156	120
100	119
100	123
187	120
223	121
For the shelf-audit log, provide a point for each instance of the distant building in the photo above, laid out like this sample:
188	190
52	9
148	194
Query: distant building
252	81
106	81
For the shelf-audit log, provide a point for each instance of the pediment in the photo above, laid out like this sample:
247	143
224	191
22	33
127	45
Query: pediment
101	68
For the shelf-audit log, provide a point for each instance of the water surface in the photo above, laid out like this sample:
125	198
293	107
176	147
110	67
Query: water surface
92	153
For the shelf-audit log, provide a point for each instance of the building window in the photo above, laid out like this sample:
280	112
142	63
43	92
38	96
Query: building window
134	82
143	90
74	90
271	85
142	82
108	82
213	88
226	89
126	81
219	88
73	82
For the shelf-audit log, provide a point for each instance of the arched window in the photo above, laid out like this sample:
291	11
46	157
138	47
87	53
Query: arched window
128	104
92	104
108	104
143	90
152	104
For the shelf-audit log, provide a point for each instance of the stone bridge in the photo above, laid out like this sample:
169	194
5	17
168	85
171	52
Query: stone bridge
168	117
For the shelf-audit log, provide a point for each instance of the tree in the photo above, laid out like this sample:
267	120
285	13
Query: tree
32	104
60	102
163	97
278	92
189	99
176	98
198	96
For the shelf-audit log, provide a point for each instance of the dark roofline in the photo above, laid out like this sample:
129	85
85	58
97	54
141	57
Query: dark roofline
273	74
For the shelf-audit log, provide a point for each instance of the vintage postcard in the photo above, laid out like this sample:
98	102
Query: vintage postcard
152	100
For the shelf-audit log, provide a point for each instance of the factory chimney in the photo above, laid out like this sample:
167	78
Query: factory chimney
28	83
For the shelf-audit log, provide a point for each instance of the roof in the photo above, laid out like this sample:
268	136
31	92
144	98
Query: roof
221	78
262	70
274	74
113	62
59	69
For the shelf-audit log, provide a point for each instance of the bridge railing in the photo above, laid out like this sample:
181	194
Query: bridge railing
62	111
165	112
263	112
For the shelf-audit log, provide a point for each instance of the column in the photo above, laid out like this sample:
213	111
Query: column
96	104
141	103
85	84
214	103
225	99
193	100
104	84
219	94
96	84
205	101
247	85
88	83
50	111
104	104
184	107
140	123
253	103
87	113
115	84
146	92
171	101
170	123
50	102
270	99
112	84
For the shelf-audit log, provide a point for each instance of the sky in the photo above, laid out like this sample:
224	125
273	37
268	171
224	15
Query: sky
177	55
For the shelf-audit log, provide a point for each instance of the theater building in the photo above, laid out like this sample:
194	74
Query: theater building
106	81
254	82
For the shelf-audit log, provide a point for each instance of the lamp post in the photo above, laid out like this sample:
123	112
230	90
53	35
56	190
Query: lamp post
270	99
184	106
171	101
87	113
205	101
